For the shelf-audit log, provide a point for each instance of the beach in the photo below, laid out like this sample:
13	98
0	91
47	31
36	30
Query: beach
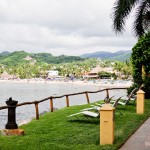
107	83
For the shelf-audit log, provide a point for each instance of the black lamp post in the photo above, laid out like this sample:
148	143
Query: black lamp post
11	114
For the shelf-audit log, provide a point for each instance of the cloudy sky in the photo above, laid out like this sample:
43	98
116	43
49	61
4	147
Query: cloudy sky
70	27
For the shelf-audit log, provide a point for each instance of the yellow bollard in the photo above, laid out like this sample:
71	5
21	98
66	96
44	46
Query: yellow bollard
140	102
107	124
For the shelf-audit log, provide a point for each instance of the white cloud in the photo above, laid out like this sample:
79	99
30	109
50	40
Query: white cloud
70	27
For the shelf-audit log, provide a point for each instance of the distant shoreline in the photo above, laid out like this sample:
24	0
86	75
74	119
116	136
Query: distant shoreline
105	84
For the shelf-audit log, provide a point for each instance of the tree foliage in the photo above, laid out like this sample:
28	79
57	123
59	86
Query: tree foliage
39	69
141	63
104	74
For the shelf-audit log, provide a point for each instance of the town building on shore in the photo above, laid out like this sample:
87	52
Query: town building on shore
94	72
7	76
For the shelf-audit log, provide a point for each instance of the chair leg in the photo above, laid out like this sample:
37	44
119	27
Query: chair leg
119	112
75	117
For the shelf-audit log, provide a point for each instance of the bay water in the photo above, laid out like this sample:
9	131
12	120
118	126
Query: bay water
28	92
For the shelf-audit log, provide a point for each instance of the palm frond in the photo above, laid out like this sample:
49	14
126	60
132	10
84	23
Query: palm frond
121	10
147	17
141	23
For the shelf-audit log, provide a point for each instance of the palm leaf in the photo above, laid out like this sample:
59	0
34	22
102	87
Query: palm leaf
141	24
121	10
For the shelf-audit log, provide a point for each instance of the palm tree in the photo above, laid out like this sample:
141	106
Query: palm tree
121	10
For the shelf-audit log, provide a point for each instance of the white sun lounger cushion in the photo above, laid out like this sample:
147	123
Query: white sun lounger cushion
74	114
89	113
91	108
122	103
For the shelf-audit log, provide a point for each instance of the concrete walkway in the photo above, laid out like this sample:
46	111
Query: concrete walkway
140	140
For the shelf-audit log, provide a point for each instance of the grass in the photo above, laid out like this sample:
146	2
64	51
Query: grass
55	131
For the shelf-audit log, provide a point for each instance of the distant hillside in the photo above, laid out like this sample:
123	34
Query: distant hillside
22	57
119	55
48	58
13	58
5	53
122	57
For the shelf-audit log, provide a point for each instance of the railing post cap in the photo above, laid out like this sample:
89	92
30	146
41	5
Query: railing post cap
140	92
106	107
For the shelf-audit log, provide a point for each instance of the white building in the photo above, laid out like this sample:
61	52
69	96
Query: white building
53	73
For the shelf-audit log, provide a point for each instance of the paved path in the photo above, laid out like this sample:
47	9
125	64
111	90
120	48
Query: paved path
140	140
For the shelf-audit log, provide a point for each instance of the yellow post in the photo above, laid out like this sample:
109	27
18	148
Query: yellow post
140	102
107	124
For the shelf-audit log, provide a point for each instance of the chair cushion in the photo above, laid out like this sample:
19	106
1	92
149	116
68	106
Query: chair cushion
89	113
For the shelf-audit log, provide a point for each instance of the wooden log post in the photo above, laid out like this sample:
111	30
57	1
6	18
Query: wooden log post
67	100
51	104
87	97
37	111
107	93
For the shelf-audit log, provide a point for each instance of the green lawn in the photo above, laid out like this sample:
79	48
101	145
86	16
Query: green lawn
55	131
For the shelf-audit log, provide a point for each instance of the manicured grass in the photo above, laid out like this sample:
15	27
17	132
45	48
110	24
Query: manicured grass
55	131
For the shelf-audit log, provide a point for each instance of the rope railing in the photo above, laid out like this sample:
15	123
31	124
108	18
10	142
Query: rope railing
51	98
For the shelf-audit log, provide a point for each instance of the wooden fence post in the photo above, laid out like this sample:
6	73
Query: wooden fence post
87	97
107	93
37	111
67	100
51	104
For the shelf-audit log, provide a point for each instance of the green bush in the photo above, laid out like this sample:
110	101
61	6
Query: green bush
104	74
130	89
141	63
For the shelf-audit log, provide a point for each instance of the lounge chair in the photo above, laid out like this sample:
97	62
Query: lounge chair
106	100
127	100
97	106
86	113
92	114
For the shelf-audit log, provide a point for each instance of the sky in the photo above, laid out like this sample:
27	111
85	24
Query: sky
69	27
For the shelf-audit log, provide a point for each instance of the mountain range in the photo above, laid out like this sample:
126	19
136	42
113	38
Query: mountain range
119	55
21	57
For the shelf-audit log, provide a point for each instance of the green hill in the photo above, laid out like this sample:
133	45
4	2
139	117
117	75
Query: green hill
48	58
22	57
13	58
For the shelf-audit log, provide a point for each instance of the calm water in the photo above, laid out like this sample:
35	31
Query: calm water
23	92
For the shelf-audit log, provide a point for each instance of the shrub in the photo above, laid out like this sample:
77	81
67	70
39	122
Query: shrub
104	74
141	63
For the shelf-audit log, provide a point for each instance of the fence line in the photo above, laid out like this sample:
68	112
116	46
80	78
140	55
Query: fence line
51	98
